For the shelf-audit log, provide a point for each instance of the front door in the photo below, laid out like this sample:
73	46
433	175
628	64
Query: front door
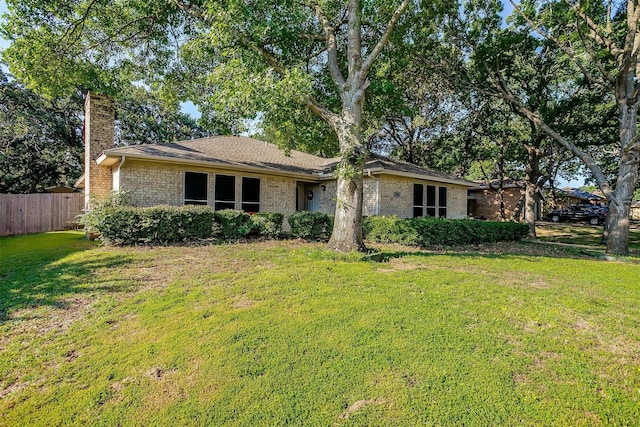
307	197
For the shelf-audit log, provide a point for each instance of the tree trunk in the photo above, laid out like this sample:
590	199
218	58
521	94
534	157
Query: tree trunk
532	173
530	207
617	224
616	230
347	225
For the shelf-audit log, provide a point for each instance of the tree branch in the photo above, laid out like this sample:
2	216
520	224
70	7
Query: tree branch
320	110
354	38
599	176
332	47
596	33
385	37
565	48
607	76
79	24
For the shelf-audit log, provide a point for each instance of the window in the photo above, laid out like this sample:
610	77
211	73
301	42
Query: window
435	204
225	194
195	188
431	200
442	202
250	194
418	200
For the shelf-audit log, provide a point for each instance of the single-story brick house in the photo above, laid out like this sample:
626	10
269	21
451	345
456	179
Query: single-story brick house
251	175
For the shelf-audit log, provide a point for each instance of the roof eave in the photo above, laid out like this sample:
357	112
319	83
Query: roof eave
426	176
111	159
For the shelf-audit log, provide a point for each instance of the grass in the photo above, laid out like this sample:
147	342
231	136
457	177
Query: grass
287	333
580	234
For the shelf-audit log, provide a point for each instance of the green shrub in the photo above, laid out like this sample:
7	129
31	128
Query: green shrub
436	231
233	224
311	225
125	225
389	229
267	224
175	223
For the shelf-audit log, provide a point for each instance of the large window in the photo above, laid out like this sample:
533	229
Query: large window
250	194
195	188
418	200
433	205
225	194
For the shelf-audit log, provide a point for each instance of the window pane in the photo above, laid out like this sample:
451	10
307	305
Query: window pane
418	195
224	205
250	190
442	212
431	195
226	189
431	212
251	207
442	197
417	211
195	187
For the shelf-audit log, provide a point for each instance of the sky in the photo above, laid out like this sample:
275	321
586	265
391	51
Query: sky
3	9
192	110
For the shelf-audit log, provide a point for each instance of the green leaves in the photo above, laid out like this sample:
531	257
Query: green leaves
40	139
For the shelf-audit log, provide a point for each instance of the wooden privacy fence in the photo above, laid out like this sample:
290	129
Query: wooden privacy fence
36	213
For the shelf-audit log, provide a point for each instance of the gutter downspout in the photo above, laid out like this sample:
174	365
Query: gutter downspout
377	191
124	158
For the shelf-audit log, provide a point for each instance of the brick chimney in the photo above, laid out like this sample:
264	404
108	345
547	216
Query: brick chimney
99	128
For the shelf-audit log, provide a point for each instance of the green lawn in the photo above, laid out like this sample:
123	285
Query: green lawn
582	234
287	333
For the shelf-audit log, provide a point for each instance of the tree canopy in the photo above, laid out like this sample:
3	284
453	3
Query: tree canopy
41	138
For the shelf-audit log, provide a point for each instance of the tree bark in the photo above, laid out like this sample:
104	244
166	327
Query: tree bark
532	173
347	226
617	224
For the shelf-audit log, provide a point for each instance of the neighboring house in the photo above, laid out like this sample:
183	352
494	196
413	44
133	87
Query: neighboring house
574	196
231	172
488	200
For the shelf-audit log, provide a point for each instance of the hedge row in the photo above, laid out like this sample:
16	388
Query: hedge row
125	225
118	224
436	231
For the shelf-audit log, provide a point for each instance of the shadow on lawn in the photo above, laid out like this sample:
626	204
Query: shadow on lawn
526	251
30	278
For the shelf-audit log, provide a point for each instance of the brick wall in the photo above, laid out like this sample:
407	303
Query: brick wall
149	184
99	111
328	197
396	196
486	203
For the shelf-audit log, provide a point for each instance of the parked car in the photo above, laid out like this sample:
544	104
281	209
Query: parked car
591	213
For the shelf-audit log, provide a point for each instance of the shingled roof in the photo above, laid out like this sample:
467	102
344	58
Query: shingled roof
223	151
238	152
